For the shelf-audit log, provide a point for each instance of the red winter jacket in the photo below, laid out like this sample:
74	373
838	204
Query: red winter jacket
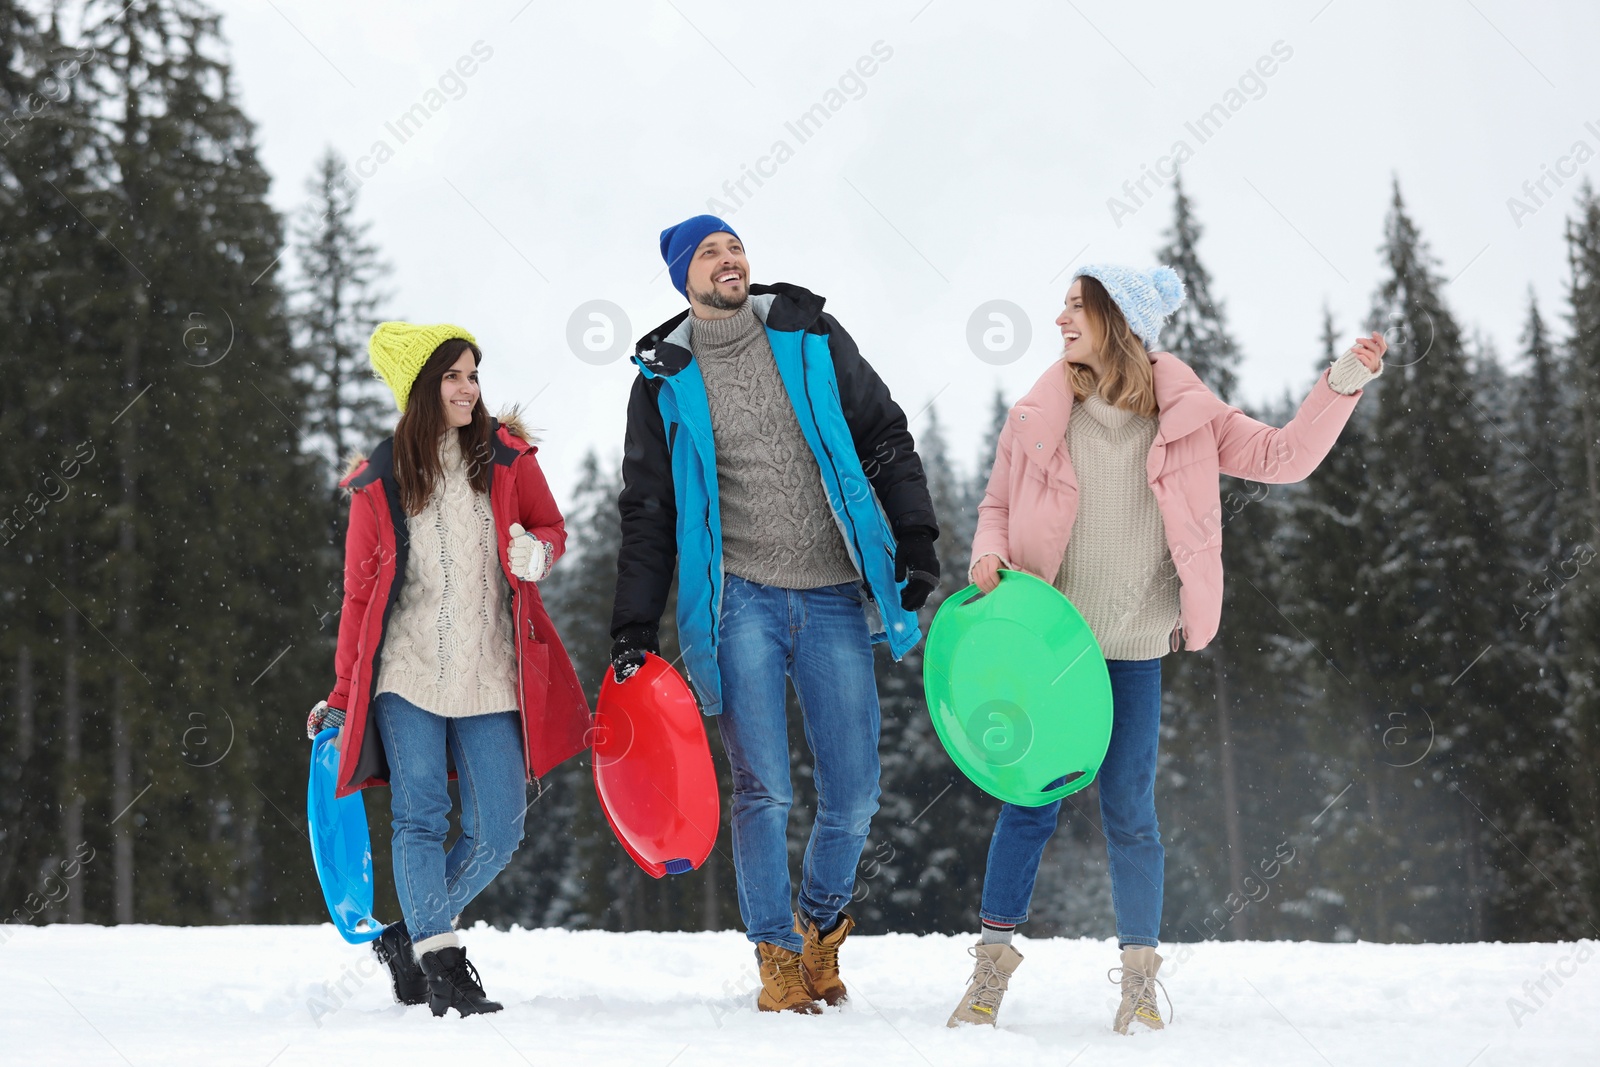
555	712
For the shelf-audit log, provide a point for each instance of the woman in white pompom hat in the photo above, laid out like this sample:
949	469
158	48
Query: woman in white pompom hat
1105	484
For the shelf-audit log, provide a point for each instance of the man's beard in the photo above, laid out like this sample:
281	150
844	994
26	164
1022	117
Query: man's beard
713	299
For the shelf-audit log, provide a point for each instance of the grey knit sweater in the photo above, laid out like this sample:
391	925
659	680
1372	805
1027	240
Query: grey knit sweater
777	526
1118	568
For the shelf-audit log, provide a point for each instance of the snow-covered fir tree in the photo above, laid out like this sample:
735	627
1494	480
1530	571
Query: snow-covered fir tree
336	307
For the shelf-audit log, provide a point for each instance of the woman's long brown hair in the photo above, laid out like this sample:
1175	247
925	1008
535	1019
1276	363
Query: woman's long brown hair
416	436
1128	381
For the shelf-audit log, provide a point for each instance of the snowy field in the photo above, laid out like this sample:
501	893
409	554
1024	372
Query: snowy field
282	996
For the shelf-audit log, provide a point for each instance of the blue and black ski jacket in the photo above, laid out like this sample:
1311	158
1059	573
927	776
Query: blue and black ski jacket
870	470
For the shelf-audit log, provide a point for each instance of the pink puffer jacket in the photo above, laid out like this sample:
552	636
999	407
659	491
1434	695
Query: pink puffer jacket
1032	498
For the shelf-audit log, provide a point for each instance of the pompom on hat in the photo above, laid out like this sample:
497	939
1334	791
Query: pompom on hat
399	350
1145	297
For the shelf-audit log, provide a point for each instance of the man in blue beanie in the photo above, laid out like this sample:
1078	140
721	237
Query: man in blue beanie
678	245
767	460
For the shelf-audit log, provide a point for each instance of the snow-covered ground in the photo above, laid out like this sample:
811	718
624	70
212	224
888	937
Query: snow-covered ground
280	996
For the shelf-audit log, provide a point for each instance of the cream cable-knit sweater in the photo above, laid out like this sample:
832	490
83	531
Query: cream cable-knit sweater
1118	569
449	646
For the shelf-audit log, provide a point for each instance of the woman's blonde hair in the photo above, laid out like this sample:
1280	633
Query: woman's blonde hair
1128	381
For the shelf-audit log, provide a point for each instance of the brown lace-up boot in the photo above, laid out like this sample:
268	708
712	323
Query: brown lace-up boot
819	960
783	988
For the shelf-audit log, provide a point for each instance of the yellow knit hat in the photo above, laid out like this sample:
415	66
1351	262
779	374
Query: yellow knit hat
398	351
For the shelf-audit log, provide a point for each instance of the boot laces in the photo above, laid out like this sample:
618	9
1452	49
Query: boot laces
1141	988
827	955
464	976
786	971
989	984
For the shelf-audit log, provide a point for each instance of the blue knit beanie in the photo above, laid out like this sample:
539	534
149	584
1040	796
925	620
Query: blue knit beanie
679	242
1145	297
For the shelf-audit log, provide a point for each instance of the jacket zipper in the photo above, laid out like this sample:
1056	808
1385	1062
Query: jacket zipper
711	580
855	538
527	737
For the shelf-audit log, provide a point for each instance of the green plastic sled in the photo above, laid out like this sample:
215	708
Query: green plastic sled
1018	690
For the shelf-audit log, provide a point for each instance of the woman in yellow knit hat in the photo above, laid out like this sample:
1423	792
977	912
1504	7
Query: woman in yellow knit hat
446	655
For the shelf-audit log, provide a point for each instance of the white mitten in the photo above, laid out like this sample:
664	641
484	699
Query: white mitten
530	557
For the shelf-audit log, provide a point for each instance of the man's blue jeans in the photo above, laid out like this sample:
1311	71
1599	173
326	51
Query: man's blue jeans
1127	813
433	885
819	639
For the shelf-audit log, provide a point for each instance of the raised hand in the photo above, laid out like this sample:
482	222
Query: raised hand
1370	350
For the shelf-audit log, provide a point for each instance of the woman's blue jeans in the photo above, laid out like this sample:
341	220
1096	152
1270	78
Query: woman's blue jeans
818	638
1127	814
434	885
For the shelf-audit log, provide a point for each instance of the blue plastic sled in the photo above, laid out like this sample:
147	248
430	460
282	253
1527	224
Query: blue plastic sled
340	845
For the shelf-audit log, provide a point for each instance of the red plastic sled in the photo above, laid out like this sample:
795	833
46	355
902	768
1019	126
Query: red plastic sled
652	769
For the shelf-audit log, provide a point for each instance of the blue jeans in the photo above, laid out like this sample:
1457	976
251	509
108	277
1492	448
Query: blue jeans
434	885
819	639
1127	813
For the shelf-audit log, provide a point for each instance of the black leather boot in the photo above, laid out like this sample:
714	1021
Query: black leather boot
454	983
393	949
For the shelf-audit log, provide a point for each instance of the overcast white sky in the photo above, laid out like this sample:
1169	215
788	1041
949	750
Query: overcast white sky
974	163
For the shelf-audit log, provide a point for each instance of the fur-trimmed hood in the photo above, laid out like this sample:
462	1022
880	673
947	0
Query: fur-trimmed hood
511	418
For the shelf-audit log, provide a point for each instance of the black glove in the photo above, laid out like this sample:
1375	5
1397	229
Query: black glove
628	647
916	564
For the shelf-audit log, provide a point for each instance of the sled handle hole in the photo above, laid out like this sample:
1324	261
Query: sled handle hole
1066	779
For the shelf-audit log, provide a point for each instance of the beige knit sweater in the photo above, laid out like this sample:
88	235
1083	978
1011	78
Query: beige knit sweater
448	648
1118	571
